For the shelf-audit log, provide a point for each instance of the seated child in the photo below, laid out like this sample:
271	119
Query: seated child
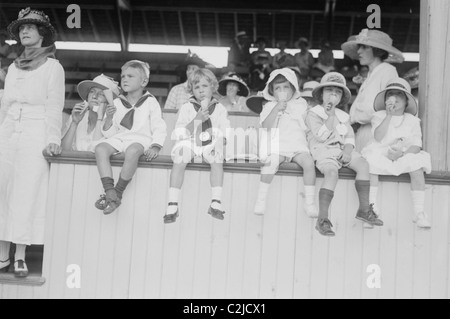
133	125
332	142
287	143
398	142
200	132
84	126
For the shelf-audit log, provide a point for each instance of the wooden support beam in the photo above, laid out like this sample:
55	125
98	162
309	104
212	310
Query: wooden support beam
147	29
163	23
274	26
408	36
94	27
236	23
216	21
199	29
311	29
352	25
255	26
112	24
59	25
292	34
180	22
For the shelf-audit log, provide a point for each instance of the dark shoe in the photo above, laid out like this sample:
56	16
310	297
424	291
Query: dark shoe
171	218
216	213
323	226
5	267
369	217
20	269
112	202
100	204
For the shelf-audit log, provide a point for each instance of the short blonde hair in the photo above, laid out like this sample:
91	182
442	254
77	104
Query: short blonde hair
199	74
142	67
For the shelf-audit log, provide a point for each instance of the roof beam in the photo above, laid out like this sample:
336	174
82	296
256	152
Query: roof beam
147	29
180	22
216	21
199	29
59	25
163	22
94	27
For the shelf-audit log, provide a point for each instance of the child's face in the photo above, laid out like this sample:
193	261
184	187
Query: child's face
132	80
399	99
203	90
283	91
332	95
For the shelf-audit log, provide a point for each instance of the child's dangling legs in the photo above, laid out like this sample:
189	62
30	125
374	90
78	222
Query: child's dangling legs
216	180
309	179
418	199
180	161
4	255
103	153
326	194
267	174
362	185
130	165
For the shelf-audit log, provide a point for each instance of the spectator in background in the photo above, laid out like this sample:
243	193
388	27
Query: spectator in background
282	59
4	47
179	95
234	92
304	59
325	62
261	65
239	54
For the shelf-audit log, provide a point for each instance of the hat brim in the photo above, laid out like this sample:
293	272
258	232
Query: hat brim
350	48
243	89
317	92
255	103
380	105
13	28
84	87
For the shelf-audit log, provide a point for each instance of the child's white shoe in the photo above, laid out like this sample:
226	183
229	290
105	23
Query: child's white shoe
422	221
311	211
260	207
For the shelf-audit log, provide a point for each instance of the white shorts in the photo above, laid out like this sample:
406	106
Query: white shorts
121	144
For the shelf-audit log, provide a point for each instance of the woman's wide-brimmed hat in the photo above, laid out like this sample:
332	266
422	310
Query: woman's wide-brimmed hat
102	82
308	88
256	102
334	79
243	88
376	39
401	85
194	59
29	16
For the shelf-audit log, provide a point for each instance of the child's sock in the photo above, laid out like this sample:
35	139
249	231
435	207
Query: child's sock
418	199
174	196
108	183
325	197
363	190
4	250
121	186
260	205
310	192
20	252
373	198
216	195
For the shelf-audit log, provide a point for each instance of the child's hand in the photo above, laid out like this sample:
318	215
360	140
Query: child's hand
281	106
345	157
330	109
394	154
110	111
78	112
390	105
202	115
152	153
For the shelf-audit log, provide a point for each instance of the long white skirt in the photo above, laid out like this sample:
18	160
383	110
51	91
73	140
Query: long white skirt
24	175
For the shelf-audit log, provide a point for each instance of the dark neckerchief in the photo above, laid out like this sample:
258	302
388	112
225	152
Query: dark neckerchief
203	134
128	119
32	58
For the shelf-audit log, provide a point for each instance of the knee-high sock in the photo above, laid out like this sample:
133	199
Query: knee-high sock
20	252
4	250
325	197
363	190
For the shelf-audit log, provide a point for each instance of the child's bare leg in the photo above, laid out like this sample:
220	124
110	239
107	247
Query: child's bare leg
130	164
418	198
309	179
267	174
103	153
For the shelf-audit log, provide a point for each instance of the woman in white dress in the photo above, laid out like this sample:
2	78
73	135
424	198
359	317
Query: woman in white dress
30	122
84	127
398	142
374	49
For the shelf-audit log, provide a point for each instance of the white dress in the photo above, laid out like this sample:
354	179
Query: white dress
30	119
83	140
404	132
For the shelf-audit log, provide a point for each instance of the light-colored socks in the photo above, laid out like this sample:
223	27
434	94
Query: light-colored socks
216	195
310	207
20	252
420	218
174	197
260	205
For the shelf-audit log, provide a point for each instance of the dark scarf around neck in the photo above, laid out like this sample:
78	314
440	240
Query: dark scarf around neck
33	58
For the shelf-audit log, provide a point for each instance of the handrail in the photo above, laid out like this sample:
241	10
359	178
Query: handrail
286	169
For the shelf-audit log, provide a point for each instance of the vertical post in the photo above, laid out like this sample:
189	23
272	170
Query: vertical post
434	93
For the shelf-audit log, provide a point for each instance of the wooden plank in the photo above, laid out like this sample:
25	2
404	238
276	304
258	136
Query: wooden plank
219	245
268	285
57	277
158	202
405	258
124	240
76	234
286	236
189	213
336	263
203	240
422	252
439	243
353	246
236	250
388	203
253	241
92	242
